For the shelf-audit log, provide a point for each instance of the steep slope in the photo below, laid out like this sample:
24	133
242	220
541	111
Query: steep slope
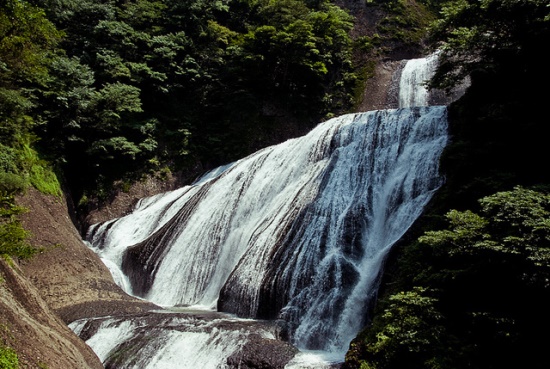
65	282
71	278
29	326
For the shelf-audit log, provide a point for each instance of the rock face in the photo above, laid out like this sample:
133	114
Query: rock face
262	353
30	327
65	282
122	202
188	339
380	91
70	277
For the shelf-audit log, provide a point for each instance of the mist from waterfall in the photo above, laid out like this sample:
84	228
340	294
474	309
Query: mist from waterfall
297	232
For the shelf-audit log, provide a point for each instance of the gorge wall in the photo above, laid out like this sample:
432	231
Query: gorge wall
31	328
66	281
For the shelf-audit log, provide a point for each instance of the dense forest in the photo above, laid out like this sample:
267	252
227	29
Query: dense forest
109	90
94	95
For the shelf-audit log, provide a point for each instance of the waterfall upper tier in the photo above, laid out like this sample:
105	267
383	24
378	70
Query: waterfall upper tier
400	84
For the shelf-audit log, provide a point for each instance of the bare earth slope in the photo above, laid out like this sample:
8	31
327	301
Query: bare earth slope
29	326
70	277
64	283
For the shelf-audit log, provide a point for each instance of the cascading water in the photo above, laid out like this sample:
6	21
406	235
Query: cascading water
412	91
296	232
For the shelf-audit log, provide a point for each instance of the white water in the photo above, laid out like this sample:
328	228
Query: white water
310	221
412	89
110	336
176	341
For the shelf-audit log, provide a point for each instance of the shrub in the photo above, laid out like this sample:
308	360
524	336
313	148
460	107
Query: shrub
11	183
8	159
13	237
8	358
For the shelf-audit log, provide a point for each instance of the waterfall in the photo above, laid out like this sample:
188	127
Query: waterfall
412	88
168	341
295	233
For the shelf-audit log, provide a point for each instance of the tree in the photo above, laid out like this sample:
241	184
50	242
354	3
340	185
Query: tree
490	36
27	42
14	239
487	276
513	232
493	274
298	54
411	334
143	83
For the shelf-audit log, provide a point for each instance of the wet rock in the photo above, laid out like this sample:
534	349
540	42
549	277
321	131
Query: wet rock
262	353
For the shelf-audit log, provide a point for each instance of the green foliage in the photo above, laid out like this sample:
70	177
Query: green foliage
514	228
11	183
8	159
20	166
409	332
13	105
296	46
37	171
13	241
26	38
27	46
8	358
143	14
13	237
469	271
490	36
405	22
44	179
143	81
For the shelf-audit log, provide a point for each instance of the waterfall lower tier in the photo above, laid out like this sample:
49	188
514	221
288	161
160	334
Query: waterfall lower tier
168	340
296	232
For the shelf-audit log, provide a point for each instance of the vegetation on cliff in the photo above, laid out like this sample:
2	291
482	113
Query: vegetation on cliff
8	358
467	287
107	91
469	295
123	88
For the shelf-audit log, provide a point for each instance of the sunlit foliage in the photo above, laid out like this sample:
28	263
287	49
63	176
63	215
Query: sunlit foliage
481	303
